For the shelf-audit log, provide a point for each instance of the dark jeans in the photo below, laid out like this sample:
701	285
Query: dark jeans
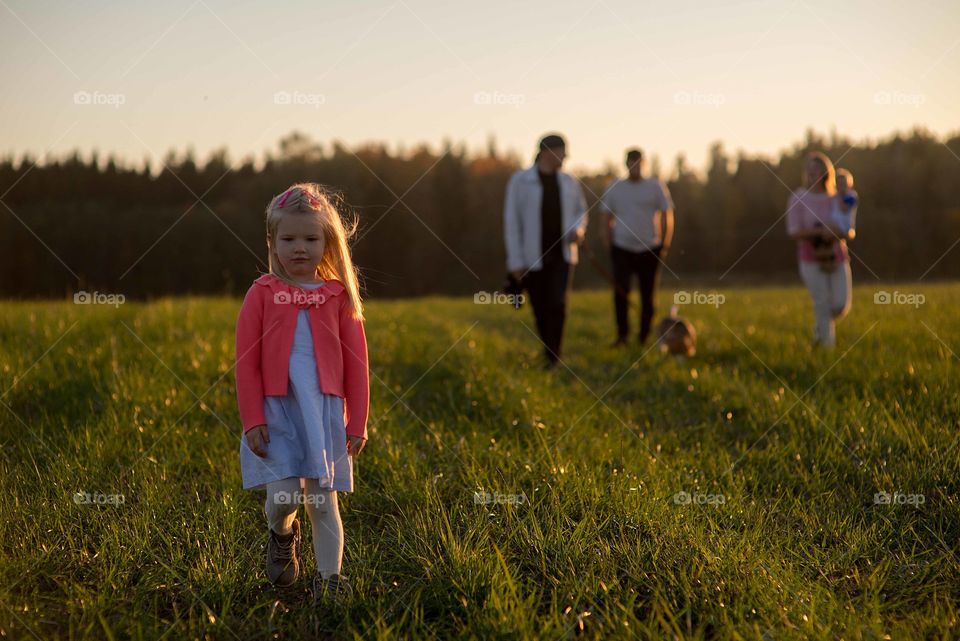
646	265
548	297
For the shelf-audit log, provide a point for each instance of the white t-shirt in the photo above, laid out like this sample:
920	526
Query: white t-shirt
637	208
845	220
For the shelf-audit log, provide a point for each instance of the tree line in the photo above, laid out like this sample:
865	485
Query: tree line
430	221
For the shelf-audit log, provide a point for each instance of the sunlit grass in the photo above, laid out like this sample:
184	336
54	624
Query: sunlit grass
728	496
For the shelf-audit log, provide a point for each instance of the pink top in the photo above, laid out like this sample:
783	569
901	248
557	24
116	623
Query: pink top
804	210
265	331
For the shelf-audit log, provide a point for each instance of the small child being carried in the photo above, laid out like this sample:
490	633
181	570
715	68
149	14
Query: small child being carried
845	203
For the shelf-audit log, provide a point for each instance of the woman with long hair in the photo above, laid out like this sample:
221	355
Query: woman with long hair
824	262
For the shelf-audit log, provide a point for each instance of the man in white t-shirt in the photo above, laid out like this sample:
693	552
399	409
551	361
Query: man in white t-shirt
635	210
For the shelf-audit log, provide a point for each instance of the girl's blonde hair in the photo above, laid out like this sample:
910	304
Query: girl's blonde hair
828	176
311	199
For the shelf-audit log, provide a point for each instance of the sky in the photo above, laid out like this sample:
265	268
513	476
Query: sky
141	78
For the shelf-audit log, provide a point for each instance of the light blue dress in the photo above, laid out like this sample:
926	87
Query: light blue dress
308	438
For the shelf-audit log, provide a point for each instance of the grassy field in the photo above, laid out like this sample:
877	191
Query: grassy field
756	491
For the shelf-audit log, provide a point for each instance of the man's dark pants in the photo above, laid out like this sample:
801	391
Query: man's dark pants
646	265
548	296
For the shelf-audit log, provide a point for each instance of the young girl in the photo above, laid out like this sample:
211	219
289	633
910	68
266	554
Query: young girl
302	383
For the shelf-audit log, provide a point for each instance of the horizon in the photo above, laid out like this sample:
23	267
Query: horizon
408	149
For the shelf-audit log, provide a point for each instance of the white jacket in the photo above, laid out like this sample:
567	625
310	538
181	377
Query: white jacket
521	218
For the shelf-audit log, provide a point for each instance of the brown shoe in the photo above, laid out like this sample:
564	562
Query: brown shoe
283	565
334	588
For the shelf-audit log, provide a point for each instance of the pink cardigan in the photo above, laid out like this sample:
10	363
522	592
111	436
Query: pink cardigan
265	330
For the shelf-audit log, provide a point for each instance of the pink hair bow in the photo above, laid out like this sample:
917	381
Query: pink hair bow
309	197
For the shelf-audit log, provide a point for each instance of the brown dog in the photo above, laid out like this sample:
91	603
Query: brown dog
676	336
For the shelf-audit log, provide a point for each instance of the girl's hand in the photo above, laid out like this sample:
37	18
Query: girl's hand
257	439
355	445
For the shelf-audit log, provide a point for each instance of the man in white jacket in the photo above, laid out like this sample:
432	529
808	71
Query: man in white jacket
544	219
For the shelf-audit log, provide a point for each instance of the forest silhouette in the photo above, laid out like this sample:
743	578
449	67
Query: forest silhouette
430	221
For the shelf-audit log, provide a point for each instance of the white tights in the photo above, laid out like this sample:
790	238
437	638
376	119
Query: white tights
830	292
283	499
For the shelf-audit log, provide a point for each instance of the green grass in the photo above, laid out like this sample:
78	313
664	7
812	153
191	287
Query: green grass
783	539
